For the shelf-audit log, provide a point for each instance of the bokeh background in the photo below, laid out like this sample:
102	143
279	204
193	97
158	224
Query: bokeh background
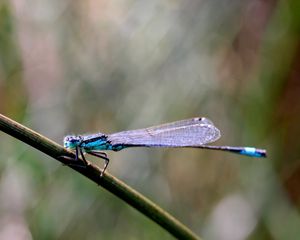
73	67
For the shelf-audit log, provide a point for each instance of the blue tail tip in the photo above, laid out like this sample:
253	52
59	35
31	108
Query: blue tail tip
253	152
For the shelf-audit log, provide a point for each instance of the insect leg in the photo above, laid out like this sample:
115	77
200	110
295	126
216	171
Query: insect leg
82	155
75	161
102	155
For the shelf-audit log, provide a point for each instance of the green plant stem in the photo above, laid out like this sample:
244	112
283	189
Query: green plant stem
110	183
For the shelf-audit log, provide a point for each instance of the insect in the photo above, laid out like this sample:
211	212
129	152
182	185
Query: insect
189	133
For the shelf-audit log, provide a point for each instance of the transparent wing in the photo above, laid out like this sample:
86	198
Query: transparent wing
186	133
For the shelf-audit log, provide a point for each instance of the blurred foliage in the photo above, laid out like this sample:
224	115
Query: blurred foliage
13	99
88	66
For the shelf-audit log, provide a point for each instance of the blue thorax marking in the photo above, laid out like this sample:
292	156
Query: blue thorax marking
98	142
94	142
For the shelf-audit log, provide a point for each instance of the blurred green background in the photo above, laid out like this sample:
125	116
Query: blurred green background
73	67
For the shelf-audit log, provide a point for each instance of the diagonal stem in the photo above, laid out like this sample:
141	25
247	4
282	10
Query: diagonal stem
110	183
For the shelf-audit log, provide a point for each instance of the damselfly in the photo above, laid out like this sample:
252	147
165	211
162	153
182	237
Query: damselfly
193	133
